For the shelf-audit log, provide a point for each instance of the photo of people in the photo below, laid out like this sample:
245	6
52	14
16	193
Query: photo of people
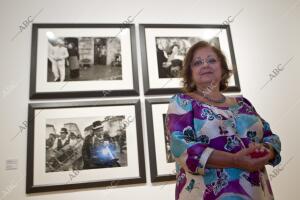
85	143
84	59
171	52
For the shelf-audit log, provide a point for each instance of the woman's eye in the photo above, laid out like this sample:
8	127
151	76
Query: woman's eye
197	63
212	61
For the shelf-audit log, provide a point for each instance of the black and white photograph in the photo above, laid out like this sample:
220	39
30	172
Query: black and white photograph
99	141
162	162
164	47
171	52
169	156
85	143
83	60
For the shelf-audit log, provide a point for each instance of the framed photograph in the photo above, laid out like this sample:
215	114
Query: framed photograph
162	162
164	46
84	144
83	60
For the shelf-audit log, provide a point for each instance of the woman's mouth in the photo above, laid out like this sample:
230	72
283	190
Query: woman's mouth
205	73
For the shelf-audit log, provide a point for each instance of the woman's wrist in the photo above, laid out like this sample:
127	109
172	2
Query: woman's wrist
221	159
235	161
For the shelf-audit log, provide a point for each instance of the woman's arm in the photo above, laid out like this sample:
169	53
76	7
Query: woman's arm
269	138
189	153
195	156
241	159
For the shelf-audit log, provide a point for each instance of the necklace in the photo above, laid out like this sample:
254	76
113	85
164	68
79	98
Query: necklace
204	95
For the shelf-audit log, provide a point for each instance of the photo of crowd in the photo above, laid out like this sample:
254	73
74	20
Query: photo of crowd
85	143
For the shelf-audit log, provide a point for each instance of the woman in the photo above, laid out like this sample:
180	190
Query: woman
221	145
73	60
174	61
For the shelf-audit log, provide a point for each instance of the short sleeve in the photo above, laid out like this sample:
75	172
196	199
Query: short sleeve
190	154
268	136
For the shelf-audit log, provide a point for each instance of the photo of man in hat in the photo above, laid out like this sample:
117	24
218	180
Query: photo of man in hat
62	141
97	152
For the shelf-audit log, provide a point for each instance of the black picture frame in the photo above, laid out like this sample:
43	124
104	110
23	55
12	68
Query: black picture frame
164	89
155	176
30	173
98	91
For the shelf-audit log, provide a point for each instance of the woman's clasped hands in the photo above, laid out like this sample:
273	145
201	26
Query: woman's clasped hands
253	158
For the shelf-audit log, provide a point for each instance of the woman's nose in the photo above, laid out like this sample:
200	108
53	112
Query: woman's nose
205	64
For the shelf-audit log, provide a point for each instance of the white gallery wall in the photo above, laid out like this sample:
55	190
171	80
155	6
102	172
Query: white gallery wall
265	35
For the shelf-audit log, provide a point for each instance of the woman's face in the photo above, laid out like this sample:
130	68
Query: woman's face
206	67
175	49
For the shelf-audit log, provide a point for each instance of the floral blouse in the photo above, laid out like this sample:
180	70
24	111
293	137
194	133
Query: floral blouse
195	129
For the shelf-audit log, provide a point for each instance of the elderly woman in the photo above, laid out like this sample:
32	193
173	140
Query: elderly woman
221	144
